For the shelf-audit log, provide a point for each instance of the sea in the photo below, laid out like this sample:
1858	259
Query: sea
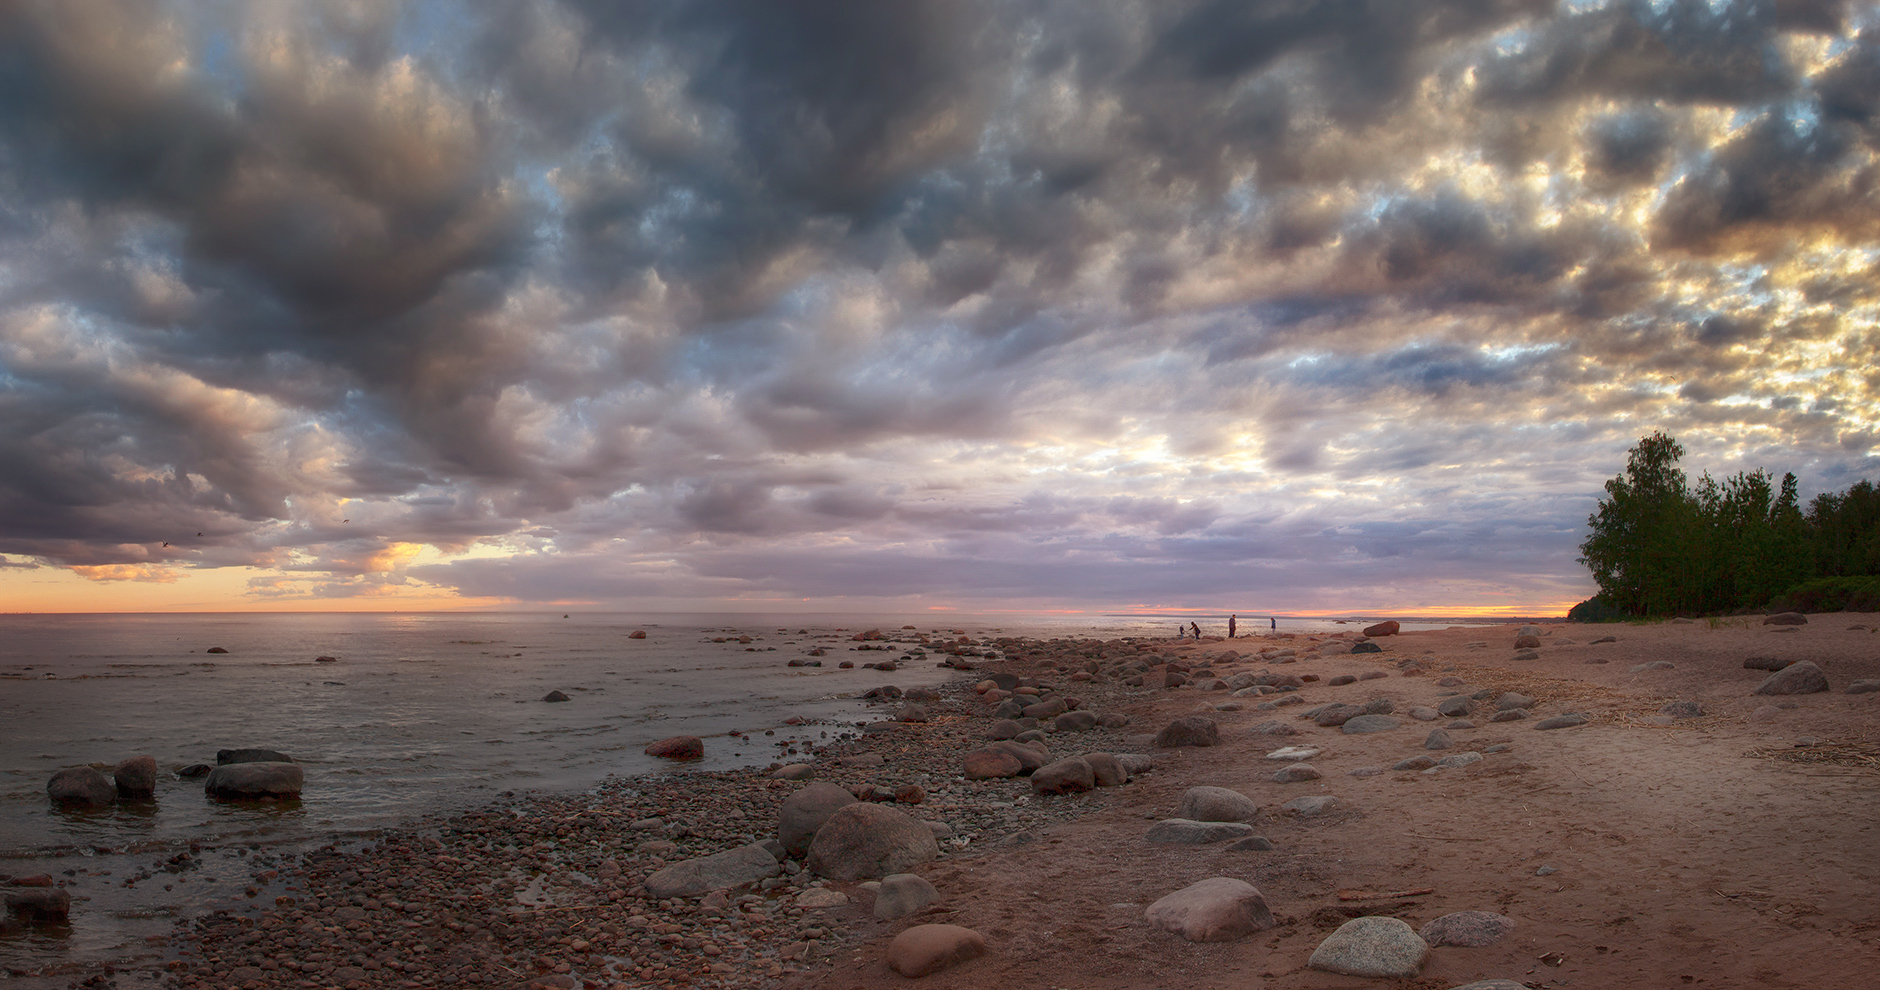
397	716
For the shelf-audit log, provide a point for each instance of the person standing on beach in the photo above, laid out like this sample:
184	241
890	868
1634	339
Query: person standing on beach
1197	631
1275	622
1232	620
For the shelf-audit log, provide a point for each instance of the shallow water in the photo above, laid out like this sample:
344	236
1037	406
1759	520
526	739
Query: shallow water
417	714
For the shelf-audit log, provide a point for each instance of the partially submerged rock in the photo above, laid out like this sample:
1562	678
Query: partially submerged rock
81	788
255	781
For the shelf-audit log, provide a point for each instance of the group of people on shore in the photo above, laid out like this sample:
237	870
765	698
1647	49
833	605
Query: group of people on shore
1233	628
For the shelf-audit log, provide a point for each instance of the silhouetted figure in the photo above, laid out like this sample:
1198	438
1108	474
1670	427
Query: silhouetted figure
1197	631
1232	620
1275	623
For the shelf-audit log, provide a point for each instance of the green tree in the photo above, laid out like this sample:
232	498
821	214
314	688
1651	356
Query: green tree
1641	533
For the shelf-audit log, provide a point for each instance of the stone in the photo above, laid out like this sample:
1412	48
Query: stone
1526	655
1511	715
224	757
1567	721
911	713
254	781
1797	678
795	771
677	748
1374	946
870	840
1293	754
1185	832
1512	700
39	903
1273	727
136	778
1867	686
1785	619
81	787
556	696
1107	769
1457	706
1071	775
1311	805
1438	739
1136	764
1682	709
637	634
1074	722
1602	640
821	899
1654	665
1252	843
1765	663
1527	642
719	871
1030	756
1046	709
805	811
1190	730
1329	716
1366	648
927	949
862	760
1492	985
1471	929
902	894
1215	804
1459	760
1003	728
1415	763
1373	675
1424	713
1342	679
1218	909
1388	627
1365	724
1294	774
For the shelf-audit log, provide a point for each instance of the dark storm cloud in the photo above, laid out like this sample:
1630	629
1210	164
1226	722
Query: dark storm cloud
663	295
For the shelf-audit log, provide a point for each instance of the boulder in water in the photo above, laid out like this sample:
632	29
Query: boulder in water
136	778
255	781
677	748
81	787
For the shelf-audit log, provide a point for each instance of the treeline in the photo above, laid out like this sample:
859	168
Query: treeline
1660	546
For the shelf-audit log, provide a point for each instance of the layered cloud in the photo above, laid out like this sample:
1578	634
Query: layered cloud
1260	305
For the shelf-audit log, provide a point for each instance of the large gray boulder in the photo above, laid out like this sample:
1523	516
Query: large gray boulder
719	871
1215	804
255	781
81	787
1796	678
136	778
1375	946
1217	909
870	840
805	811
1473	929
224	757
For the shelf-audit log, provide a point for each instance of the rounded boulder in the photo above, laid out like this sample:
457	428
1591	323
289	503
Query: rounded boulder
677	748
81	787
1215	804
927	949
1191	730
861	841
1375	947
805	811
136	778
1071	775
255	781
1217	909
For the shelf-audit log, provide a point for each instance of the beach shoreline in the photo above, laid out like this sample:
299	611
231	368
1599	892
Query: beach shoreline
1060	882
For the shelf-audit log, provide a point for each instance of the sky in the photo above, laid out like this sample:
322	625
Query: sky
1293	307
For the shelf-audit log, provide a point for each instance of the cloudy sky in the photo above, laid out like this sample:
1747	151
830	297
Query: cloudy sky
1275	306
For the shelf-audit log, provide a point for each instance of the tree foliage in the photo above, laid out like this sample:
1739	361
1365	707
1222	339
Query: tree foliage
1659	546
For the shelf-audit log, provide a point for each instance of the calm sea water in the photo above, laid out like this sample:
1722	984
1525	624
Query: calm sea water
418	713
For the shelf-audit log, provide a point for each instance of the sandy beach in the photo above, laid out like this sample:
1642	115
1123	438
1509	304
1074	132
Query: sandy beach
1727	849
